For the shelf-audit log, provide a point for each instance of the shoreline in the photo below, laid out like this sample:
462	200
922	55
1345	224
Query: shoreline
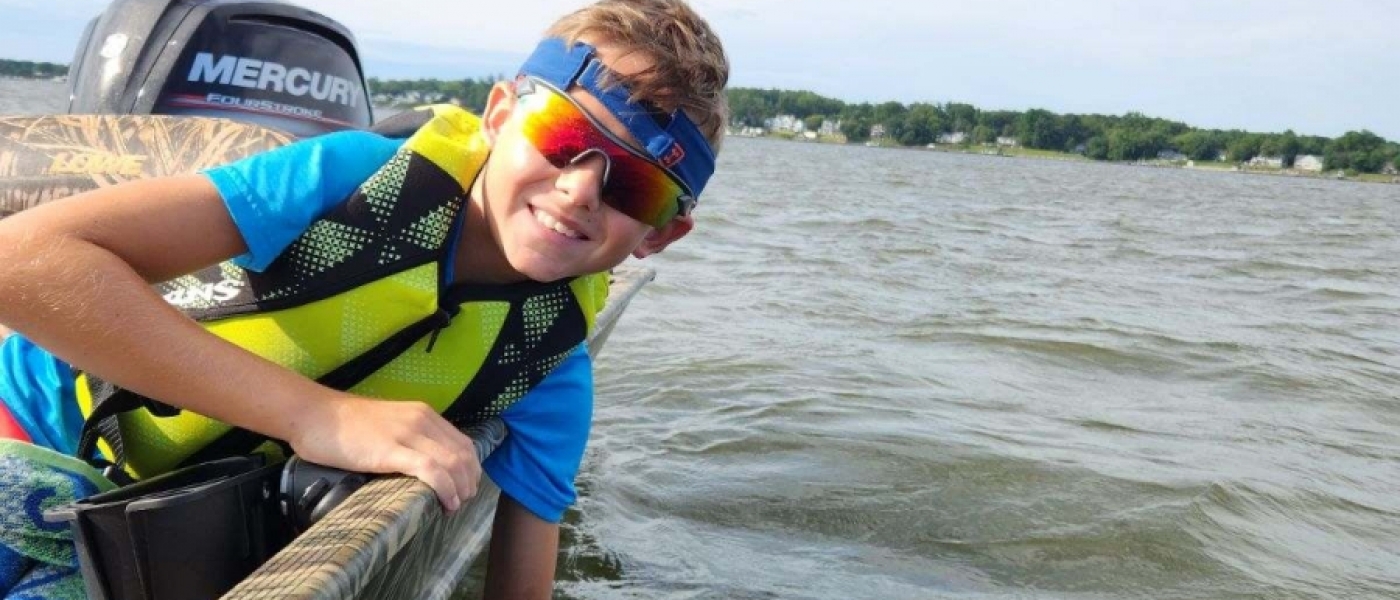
1021	153
388	109
53	78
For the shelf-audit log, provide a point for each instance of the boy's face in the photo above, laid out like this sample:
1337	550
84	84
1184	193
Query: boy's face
551	223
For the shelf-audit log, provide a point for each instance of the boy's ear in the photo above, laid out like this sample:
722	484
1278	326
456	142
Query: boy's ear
659	239
499	105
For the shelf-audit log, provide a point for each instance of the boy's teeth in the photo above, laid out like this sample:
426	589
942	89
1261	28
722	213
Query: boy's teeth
549	222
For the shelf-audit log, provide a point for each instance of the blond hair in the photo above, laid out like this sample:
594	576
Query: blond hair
689	69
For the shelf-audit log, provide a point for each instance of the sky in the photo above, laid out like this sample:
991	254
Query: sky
1318	68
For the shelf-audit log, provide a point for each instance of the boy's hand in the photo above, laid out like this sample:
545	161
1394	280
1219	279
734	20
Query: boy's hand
377	436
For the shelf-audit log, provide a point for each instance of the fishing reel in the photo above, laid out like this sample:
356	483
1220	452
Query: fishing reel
310	491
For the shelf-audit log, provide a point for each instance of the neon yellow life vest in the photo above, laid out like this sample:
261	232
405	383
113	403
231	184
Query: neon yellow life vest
360	302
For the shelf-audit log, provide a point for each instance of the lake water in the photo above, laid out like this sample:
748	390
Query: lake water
878	373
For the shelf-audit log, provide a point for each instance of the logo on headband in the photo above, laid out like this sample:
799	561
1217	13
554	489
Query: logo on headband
675	155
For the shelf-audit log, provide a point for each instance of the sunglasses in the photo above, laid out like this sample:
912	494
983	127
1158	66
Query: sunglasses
565	134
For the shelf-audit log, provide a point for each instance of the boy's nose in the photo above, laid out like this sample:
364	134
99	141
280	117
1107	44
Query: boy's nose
583	179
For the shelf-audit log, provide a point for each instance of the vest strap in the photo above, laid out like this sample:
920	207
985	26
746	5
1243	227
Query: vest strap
108	402
111	401
238	441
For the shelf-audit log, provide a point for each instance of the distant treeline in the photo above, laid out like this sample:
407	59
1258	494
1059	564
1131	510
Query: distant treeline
1102	137
470	93
25	68
1130	137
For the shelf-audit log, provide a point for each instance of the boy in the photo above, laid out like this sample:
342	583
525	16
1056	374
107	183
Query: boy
597	151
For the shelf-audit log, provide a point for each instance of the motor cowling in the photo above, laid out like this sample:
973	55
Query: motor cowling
266	62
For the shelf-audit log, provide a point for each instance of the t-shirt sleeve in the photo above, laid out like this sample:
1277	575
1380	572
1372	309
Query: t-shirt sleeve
274	196
540	457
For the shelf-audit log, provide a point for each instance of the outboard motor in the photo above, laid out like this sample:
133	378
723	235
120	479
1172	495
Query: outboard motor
267	62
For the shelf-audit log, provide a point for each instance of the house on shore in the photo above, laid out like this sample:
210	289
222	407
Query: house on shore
956	137
1308	162
784	123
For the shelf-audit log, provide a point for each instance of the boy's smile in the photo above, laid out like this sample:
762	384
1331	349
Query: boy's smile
558	225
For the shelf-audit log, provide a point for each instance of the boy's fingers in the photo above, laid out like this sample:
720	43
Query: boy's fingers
466	472
420	465
424	445
453	456
458	456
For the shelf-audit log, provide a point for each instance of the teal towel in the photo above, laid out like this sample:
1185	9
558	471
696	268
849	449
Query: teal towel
38	559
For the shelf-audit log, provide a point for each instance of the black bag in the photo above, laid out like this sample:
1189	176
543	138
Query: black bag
190	534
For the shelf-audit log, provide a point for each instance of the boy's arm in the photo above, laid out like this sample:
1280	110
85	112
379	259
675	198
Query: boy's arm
535	468
74	278
523	552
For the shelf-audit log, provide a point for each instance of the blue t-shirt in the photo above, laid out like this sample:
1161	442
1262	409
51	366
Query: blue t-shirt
272	198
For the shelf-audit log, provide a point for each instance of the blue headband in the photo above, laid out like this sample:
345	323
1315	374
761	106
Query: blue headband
673	140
